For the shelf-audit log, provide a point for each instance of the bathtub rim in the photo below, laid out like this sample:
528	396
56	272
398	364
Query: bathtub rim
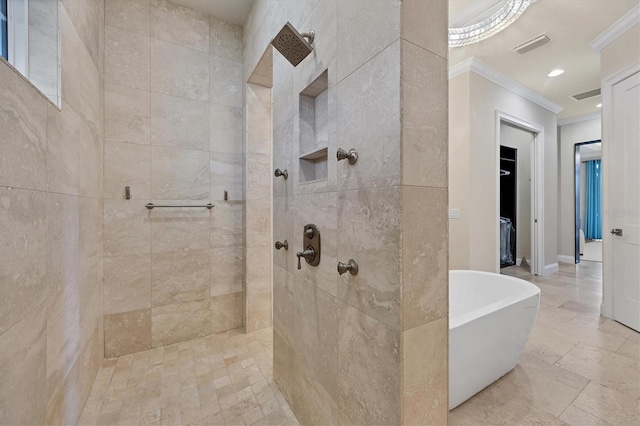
530	291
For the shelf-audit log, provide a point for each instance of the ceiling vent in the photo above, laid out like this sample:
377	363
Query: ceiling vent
534	43
586	95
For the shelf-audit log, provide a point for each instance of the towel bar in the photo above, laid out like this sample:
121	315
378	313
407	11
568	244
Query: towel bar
151	206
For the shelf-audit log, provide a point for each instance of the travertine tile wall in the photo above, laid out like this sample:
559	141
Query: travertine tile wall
369	349
173	133
258	223
51	224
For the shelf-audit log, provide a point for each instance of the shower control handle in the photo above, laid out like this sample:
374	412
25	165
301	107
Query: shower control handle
351	266
280	245
616	231
309	255
284	173
351	155
311	245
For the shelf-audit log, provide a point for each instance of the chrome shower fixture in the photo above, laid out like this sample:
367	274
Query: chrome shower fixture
284	245
284	173
292	44
351	266
351	155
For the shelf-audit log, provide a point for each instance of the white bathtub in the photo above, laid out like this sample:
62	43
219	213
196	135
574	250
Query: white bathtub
490	319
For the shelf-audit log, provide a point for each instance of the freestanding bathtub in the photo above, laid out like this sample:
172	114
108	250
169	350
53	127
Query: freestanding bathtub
490	319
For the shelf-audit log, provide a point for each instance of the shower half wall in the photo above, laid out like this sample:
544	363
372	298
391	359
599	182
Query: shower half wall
173	133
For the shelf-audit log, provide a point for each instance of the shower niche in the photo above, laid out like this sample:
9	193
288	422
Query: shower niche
314	134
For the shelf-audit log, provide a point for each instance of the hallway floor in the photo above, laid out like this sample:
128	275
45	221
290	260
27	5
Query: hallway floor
578	369
224	379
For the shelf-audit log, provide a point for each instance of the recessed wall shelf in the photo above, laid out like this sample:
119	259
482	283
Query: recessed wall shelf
313	166
314	134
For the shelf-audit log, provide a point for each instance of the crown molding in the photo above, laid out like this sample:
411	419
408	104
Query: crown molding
491	74
616	30
580	118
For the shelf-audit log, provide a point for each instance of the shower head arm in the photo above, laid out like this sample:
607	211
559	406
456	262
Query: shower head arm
310	35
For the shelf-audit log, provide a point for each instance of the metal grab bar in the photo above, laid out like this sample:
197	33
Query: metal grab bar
151	206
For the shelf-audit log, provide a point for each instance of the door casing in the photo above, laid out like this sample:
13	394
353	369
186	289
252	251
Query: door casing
537	193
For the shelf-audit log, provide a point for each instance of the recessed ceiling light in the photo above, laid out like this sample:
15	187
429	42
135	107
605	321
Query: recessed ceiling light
599	106
555	73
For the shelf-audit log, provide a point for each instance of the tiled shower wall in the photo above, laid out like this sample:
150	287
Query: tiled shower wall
371	348
173	133
51	322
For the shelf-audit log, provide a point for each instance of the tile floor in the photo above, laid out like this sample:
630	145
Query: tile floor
216	380
578	369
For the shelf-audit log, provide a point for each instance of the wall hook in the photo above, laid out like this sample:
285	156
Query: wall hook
127	193
351	155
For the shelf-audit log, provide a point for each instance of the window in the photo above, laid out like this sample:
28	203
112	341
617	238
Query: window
4	45
29	41
17	34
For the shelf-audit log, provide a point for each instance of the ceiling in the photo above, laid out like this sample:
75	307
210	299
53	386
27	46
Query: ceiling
571	25
227	10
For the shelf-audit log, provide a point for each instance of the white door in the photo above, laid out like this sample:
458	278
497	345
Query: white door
625	201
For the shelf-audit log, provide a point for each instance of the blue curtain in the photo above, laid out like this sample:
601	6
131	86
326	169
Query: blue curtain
593	200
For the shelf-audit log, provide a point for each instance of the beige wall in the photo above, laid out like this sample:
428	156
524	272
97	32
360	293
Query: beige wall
369	349
568	136
173	133
474	243
460	169
51	324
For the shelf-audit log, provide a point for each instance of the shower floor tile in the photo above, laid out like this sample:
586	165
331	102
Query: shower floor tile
226	379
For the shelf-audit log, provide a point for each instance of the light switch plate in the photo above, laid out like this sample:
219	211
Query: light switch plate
454	213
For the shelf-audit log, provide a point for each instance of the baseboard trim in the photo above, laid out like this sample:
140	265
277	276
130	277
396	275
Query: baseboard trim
571	260
551	268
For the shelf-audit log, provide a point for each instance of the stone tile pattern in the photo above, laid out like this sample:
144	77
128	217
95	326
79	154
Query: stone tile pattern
173	124
51	315
257	224
226	379
344	346
578	368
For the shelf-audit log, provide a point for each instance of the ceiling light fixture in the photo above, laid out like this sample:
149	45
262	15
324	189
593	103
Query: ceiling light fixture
494	24
599	106
555	73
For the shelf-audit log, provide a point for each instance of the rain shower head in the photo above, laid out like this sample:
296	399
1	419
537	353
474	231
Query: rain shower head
292	44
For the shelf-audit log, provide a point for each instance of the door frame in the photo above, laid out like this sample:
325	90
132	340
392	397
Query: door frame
608	282
577	157
537	192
